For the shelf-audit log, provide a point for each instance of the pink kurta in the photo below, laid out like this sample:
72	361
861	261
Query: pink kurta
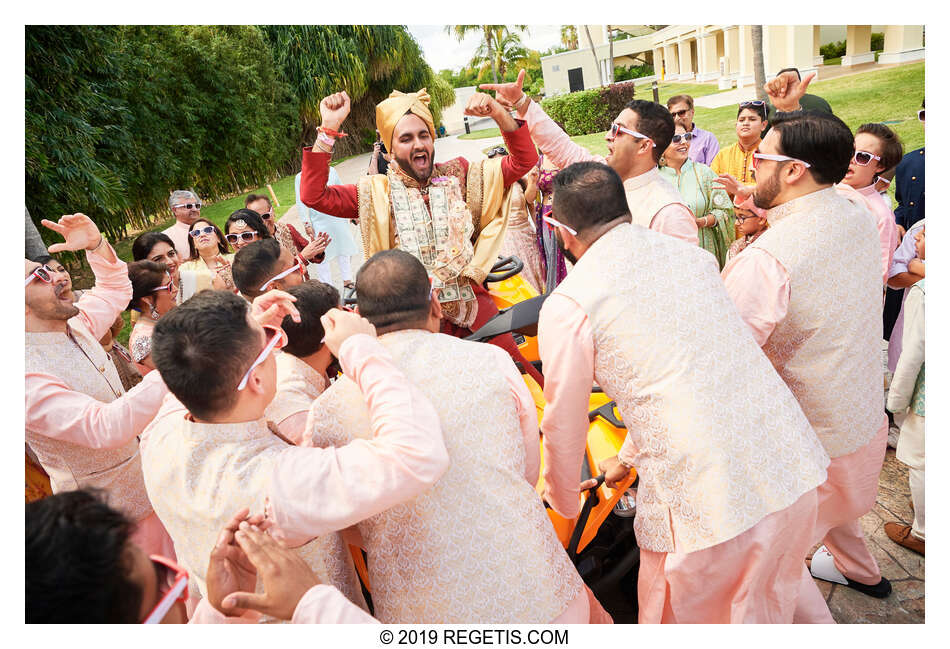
761	287
78	419
755	575
883	220
321	604
298	385
673	219
178	233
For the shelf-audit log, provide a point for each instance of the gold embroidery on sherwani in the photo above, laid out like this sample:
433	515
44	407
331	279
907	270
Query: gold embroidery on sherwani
434	559
85	367
198	475
710	467
827	349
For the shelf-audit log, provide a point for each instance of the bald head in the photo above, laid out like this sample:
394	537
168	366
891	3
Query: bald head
392	291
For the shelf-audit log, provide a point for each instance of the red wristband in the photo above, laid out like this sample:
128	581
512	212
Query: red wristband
332	133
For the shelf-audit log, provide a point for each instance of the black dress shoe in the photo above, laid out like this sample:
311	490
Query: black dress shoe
879	590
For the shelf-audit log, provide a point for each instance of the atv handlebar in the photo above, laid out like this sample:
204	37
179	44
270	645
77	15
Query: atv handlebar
505	268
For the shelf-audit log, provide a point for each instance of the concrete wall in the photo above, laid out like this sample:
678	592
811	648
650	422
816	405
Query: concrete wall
452	117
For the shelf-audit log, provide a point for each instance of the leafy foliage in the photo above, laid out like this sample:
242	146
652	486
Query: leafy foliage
588	111
622	73
837	49
367	61
116	117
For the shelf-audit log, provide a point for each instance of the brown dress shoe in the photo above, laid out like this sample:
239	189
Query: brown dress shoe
901	535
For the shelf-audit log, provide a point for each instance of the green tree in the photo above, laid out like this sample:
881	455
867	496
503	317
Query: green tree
368	61
569	37
492	37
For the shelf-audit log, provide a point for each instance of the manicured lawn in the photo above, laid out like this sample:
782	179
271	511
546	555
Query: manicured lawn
481	135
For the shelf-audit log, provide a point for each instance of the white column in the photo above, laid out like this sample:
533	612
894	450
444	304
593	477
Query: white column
686	62
746	71
799	44
732	50
817	58
858	46
672	61
708	63
902	43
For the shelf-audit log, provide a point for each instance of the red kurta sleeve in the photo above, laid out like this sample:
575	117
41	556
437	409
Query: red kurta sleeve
335	200
522	154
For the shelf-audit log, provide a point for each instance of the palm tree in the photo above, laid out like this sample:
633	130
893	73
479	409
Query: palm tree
508	49
569	36
758	64
34	242
593	52
492	36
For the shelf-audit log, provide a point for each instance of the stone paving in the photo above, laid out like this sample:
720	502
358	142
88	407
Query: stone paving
904	568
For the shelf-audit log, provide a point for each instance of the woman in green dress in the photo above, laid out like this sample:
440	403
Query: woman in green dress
710	204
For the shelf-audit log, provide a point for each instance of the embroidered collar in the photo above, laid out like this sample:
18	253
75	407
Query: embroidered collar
644	179
801	204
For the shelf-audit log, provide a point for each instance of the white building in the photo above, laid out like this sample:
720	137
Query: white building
723	53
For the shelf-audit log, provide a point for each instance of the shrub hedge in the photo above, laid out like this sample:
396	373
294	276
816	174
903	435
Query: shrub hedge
588	111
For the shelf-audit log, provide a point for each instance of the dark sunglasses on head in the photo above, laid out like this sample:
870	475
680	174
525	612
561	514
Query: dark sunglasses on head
189	206
685	137
240	236
200	231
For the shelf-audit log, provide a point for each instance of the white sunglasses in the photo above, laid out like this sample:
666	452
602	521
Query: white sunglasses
298	266
553	221
617	128
278	337
776	158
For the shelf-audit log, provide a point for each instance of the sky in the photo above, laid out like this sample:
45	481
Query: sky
442	51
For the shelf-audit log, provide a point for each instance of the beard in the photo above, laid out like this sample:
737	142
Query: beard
564	251
55	309
764	193
406	166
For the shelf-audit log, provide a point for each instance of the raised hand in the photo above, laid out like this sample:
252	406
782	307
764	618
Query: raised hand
273	306
285	576
340	325
481	105
334	109
733	186
786	90
229	569
78	230
507	93
316	247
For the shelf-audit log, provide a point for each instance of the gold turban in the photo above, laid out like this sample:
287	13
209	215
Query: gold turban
390	111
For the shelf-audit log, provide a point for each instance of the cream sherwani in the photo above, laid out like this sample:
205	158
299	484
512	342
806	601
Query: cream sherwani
298	385
726	501
654	203
80	422
809	288
478	547
198	475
